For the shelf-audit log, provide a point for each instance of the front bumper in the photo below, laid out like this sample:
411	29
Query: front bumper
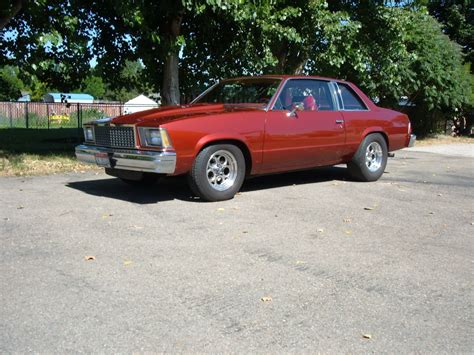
136	160
411	142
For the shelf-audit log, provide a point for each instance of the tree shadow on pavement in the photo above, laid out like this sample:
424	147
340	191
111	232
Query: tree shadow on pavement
172	188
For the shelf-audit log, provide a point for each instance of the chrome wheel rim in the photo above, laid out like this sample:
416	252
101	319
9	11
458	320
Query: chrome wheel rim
221	170
373	156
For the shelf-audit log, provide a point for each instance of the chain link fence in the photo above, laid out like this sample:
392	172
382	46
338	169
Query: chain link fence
58	118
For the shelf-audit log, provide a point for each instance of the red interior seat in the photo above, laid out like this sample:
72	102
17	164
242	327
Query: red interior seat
310	103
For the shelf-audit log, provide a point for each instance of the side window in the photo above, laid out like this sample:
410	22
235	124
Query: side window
350	100
315	95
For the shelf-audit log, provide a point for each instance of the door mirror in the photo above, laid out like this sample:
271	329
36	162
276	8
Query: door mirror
297	106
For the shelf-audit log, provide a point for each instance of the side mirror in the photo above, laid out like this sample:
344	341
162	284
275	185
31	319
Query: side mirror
298	106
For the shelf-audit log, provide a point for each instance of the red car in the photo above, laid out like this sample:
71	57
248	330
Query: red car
249	126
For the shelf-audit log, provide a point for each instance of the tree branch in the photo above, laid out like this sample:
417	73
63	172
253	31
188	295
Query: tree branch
6	16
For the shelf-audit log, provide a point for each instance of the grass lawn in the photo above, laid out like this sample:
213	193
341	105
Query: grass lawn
443	139
39	151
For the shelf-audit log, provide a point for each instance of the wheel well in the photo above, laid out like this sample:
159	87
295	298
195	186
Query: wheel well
384	135
241	145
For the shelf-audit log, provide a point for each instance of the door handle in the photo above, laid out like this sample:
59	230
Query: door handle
339	121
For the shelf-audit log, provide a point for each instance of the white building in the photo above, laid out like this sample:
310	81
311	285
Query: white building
139	103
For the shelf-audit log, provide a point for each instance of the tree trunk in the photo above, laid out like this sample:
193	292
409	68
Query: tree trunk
170	86
6	16
170	90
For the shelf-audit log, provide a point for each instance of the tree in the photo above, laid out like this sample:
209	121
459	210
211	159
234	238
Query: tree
128	84
93	85
48	40
457	18
10	83
389	48
9	9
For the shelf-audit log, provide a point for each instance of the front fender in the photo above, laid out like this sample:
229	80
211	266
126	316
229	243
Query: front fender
217	137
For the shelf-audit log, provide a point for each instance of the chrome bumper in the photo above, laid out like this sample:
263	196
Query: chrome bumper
136	160
412	141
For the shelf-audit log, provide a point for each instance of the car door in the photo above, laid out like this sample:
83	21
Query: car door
312	137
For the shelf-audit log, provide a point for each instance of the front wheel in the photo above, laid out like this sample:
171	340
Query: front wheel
218	172
370	160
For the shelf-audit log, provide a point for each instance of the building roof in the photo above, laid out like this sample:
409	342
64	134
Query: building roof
141	100
70	96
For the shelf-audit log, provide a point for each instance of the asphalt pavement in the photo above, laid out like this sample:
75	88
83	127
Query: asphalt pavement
301	262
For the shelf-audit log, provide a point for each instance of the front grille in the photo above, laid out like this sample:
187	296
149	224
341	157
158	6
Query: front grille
114	137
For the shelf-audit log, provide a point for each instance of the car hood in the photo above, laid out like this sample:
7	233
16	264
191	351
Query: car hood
162	115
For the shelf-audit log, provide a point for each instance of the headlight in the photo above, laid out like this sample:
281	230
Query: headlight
154	137
89	134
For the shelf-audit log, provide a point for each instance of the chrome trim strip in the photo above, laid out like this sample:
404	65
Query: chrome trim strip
336	99
204	92
103	120
137	160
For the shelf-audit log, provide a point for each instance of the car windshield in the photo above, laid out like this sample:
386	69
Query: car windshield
242	91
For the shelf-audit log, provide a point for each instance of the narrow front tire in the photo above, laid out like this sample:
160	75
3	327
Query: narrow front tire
218	172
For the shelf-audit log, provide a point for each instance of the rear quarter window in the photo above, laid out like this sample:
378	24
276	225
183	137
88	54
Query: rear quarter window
350	100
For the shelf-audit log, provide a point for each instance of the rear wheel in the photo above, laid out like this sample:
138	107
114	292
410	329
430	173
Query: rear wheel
370	160
218	172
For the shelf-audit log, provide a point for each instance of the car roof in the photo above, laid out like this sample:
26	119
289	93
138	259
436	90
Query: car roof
284	77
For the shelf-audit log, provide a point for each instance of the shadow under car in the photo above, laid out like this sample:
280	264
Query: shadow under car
170	188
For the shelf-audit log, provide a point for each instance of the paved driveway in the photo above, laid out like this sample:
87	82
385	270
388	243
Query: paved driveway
298	262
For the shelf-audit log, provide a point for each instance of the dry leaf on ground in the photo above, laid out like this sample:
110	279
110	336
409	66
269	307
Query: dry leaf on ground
266	299
367	336
89	257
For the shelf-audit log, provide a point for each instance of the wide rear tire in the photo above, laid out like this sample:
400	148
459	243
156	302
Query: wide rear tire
218	172
370	160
